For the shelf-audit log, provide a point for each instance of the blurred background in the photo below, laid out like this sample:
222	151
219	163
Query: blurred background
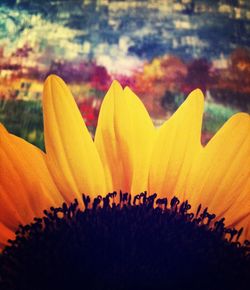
161	49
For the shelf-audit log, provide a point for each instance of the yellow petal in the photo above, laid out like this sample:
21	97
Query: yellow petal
222	175
143	133
176	146
124	139
71	155
26	185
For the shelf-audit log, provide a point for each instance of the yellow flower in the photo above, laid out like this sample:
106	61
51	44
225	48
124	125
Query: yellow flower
128	154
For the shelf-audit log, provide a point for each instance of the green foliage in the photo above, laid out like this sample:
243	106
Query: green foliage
178	100
215	116
24	119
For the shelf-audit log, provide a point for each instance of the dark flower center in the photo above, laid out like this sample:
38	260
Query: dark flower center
140	243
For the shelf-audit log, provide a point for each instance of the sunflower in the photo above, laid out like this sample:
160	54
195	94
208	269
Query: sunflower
61	190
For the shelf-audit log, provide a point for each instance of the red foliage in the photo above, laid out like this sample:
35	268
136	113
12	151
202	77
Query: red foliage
89	109
100	79
198	75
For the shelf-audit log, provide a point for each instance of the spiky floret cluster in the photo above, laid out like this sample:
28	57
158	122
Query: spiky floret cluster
139	243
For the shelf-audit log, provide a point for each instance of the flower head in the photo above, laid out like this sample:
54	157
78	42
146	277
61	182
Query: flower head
129	155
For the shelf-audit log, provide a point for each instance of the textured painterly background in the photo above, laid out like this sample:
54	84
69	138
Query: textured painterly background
161	49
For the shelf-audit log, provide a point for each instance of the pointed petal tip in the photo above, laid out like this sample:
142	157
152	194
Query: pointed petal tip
196	96
240	117
52	77
128	90
114	90
2	128
116	85
54	86
197	90
132	95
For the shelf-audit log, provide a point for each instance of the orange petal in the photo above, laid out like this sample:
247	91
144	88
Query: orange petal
222	175
176	147
26	185
245	224
71	155
239	211
36	161
5	235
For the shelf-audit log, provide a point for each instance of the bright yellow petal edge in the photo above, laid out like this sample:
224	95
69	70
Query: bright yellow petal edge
128	154
71	154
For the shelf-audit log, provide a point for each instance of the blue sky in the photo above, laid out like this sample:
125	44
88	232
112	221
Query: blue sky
124	33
